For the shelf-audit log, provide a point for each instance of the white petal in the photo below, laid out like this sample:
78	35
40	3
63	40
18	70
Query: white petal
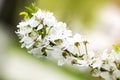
40	27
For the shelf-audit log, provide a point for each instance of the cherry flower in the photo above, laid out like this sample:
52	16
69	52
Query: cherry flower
44	36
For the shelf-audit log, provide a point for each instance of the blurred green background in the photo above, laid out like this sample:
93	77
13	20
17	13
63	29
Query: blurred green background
17	64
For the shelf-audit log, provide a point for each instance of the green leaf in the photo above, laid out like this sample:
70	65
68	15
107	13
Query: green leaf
116	48
25	14
29	11
34	7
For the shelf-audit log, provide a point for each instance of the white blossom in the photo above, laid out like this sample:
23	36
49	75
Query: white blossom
43	35
27	42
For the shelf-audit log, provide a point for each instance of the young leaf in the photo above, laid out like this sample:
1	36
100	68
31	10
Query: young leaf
116	48
25	14
29	11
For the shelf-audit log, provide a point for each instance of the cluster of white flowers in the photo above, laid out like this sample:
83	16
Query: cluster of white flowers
43	35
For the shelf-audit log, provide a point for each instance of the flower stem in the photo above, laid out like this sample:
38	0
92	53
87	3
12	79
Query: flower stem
85	43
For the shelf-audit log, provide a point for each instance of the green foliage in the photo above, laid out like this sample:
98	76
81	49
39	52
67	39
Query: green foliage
116	48
25	14
29	11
